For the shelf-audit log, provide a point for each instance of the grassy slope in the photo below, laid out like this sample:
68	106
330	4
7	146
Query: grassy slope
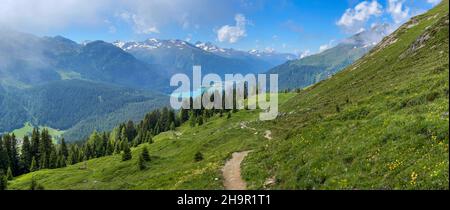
391	132
392	128
173	165
27	129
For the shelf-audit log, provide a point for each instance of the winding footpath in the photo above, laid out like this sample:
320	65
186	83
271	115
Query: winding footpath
232	172
232	169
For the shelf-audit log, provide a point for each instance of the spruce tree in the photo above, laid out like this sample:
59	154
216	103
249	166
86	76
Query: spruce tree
53	160
33	166
35	142
95	143
26	154
64	149
43	163
10	144
123	135
3	181
148	137
145	154
126	155
3	157
109	147
9	174
34	185
130	131
200	120
141	162
45	148
193	120
62	162
184	115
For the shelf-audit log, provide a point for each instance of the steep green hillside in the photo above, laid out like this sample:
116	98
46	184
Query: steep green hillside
382	123
172	165
312	69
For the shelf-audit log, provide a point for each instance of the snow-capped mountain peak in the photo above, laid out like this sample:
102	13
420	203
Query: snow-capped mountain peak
209	47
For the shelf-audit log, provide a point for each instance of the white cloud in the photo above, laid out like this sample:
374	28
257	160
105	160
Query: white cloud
188	38
140	25
232	34
111	28
305	53
434	2
324	47
355	19
269	50
398	10
43	14
144	16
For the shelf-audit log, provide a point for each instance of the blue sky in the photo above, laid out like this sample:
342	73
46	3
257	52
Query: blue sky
295	26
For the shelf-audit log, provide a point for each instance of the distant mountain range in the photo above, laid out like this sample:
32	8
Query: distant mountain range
312	69
179	56
59	83
56	82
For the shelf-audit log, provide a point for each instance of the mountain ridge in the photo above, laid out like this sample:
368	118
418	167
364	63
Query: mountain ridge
315	68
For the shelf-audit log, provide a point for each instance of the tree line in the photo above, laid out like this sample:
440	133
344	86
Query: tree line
37	151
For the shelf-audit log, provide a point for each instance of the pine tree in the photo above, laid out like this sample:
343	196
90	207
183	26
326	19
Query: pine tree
73	155
157	128
130	131
53	160
105	140
64	150
45	148
123	135
33	166
149	138
26	154
126	155
35	185
3	157
43	163
193	120
3	181
172	126
184	115
35	142
200	120
9	174
141	162
145	154
95	143
10	144
109	147
60	161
